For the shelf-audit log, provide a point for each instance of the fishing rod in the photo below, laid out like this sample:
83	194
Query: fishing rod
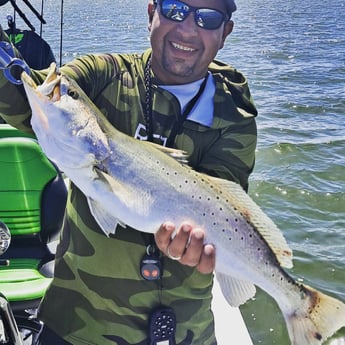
41	24
38	15
22	15
61	31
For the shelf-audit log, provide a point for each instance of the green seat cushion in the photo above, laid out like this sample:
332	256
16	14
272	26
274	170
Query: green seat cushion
24	172
21	280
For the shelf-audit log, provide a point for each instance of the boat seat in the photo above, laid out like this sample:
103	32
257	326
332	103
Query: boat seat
32	204
36	52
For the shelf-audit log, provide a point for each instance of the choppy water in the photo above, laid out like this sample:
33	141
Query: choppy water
293	54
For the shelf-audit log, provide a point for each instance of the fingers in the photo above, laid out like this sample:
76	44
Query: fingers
186	244
194	248
163	236
207	261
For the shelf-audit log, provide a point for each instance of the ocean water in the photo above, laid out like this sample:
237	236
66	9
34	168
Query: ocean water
293	54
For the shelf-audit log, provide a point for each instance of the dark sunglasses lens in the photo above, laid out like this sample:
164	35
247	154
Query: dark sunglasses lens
209	19
174	10
178	11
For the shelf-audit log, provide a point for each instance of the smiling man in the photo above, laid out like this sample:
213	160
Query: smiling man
185	39
118	289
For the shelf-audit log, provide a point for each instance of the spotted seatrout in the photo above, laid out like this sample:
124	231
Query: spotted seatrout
141	185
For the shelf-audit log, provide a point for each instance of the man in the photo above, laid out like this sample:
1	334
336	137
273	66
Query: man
172	95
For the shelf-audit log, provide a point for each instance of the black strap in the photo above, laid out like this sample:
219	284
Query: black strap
189	107
148	101
148	107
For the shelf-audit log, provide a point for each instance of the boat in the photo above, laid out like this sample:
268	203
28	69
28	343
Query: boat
27	268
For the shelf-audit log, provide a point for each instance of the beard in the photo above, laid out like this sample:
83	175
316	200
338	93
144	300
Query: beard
177	67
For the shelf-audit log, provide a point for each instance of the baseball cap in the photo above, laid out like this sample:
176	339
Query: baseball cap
230	4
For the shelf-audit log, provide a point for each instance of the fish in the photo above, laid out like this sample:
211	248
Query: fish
140	184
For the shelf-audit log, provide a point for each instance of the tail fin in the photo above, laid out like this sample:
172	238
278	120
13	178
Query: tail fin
318	318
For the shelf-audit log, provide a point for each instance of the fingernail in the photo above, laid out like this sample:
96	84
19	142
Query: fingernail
168	226
208	249
186	228
198	234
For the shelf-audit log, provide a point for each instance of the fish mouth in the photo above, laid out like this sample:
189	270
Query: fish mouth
38	95
28	81
50	89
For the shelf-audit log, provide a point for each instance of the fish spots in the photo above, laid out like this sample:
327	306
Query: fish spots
224	231
317	336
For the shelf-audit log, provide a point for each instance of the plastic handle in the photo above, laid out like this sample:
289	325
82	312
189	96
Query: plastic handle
8	60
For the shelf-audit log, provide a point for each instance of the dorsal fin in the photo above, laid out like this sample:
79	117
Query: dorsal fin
180	155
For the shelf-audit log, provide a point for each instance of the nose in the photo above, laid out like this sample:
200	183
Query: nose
188	27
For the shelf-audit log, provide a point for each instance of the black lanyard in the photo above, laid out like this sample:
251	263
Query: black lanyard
148	110
189	107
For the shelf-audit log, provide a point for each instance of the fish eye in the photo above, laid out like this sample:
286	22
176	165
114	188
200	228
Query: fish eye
73	93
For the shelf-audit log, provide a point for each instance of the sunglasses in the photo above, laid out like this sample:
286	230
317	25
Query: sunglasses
206	18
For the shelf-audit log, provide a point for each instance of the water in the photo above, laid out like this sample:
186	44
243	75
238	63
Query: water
293	54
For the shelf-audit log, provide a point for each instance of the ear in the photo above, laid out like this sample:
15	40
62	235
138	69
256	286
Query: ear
150	11
228	27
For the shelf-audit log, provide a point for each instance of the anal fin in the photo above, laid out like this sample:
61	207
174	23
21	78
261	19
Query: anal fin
235	291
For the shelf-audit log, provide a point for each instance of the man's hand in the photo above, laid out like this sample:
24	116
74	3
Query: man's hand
187	246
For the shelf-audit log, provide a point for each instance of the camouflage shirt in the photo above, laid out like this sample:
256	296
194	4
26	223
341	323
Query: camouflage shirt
98	295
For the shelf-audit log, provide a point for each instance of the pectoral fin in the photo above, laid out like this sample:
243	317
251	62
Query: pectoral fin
235	291
106	221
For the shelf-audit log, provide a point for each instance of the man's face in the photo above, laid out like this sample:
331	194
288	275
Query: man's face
182	51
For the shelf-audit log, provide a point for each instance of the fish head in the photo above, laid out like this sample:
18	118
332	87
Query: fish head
64	120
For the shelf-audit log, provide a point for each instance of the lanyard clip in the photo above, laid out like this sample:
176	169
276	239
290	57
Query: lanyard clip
8	60
151	267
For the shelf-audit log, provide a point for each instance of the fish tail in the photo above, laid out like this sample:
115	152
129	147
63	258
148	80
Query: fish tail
318	317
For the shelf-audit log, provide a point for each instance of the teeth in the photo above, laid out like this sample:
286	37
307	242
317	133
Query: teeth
178	46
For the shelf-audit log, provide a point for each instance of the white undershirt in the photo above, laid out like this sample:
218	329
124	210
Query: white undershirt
202	111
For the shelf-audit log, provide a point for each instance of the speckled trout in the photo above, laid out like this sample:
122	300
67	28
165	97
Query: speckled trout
140	184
